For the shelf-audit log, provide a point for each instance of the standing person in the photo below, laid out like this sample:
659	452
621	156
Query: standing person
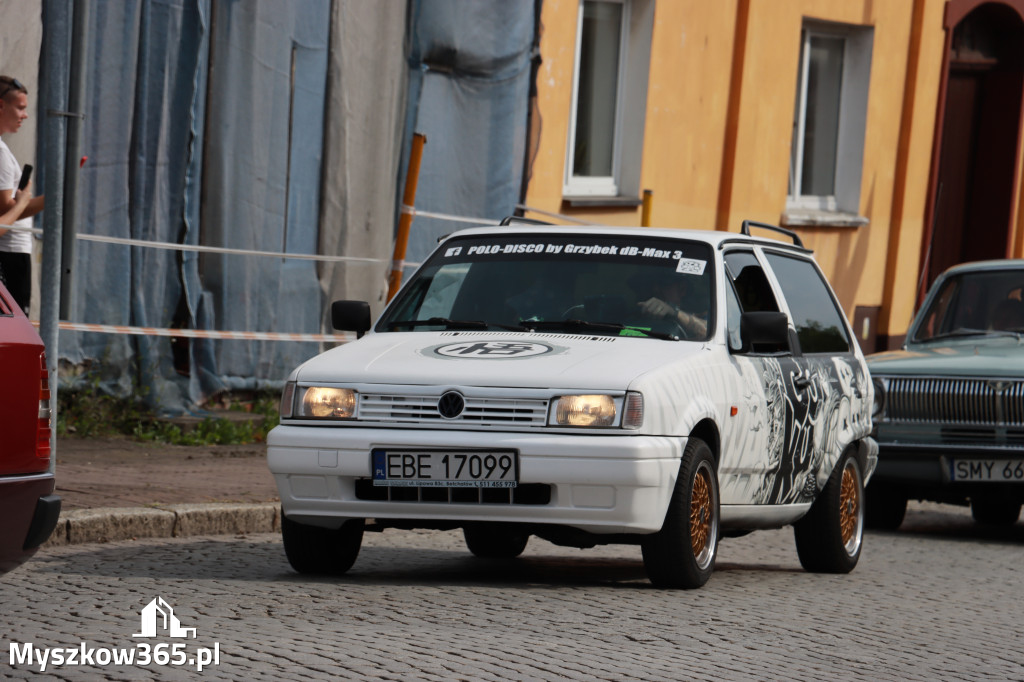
15	245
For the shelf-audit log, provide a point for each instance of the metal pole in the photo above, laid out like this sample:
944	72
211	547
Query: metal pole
405	219
645	214
56	37
75	116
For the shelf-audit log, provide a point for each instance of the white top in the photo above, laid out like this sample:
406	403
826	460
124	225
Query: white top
10	174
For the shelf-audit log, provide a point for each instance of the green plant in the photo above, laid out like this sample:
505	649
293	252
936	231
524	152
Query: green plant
90	413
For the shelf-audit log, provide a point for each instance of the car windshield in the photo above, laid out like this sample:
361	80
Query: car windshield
975	304
574	284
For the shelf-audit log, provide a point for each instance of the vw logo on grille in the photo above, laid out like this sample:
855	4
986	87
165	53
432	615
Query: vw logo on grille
451	405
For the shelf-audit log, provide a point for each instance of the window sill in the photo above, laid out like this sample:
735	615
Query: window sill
812	218
602	201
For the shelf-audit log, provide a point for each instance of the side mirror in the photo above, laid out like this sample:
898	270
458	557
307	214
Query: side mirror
351	316
769	330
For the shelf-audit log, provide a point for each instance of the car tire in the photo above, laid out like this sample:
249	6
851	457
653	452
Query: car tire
682	554
995	512
321	551
494	540
884	507
830	536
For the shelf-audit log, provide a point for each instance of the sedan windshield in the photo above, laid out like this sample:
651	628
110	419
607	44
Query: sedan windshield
975	304
573	284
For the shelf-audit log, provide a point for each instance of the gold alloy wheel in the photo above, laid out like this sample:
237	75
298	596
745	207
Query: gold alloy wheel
849	506
700	512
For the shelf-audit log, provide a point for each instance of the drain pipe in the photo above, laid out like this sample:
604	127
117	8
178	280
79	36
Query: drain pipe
56	38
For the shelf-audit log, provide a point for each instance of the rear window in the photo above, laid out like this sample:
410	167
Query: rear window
5	305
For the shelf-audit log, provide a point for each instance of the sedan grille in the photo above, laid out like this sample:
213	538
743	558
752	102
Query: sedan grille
955	401
423	409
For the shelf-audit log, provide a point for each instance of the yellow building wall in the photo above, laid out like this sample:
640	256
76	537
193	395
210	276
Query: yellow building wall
903	251
719	123
853	258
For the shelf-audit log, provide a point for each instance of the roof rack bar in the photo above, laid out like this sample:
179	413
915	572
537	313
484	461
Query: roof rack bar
747	224
519	219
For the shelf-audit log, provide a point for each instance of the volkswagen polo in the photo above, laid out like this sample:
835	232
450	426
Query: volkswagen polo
586	385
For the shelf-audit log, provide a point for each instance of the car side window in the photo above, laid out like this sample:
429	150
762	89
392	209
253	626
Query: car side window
752	287
819	324
750	292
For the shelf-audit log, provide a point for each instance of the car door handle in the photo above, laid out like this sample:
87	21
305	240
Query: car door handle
802	383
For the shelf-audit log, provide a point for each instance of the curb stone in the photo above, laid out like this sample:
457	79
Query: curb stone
114	524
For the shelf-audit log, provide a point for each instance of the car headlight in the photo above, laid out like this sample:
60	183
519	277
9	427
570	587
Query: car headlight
325	402
585	410
598	410
878	407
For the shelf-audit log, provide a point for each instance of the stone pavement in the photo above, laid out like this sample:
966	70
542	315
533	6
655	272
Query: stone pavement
116	489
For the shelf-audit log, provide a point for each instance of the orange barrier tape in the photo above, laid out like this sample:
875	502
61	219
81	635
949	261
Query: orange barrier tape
201	333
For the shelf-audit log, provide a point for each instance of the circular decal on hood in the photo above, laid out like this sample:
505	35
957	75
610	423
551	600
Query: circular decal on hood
492	350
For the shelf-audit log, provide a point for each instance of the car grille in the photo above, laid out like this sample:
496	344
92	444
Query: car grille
958	435
955	401
526	493
422	409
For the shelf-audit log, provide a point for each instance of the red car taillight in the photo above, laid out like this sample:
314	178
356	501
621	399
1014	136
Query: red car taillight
43	424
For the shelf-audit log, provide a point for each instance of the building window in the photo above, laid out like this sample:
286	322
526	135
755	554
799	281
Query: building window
594	136
604	150
829	120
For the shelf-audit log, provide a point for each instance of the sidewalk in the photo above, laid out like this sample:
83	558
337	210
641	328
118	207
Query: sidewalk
116	489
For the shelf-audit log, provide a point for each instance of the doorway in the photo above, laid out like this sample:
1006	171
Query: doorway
971	192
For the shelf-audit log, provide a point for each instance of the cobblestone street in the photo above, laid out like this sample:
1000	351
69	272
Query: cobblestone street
934	601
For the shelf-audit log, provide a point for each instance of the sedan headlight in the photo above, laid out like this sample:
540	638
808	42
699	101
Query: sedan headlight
597	410
325	402
878	407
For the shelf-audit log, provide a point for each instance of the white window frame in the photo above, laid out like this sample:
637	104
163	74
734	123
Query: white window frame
576	185
853	96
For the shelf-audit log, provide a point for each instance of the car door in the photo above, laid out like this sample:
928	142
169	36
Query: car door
759	444
827	388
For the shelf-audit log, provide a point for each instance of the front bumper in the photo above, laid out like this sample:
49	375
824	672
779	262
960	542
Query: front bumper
930	465
29	510
599	483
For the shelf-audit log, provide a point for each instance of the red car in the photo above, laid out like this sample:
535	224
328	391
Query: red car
28	507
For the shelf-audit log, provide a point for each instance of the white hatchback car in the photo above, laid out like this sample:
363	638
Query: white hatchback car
594	385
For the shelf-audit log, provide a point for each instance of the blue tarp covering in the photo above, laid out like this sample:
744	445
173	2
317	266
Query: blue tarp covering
204	124
469	83
242	170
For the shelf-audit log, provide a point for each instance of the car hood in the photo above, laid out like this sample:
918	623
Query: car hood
992	356
505	359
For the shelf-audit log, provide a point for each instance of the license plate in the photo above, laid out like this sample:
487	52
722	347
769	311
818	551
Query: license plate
988	470
446	468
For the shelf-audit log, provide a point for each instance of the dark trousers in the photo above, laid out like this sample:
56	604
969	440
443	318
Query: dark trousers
16	272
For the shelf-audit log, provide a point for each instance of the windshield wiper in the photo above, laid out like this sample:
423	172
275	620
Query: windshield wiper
455	324
585	325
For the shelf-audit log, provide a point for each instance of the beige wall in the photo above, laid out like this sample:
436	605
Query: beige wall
719	123
21	40
20	45
365	112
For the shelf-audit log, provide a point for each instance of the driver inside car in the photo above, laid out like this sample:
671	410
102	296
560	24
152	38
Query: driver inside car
667	303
